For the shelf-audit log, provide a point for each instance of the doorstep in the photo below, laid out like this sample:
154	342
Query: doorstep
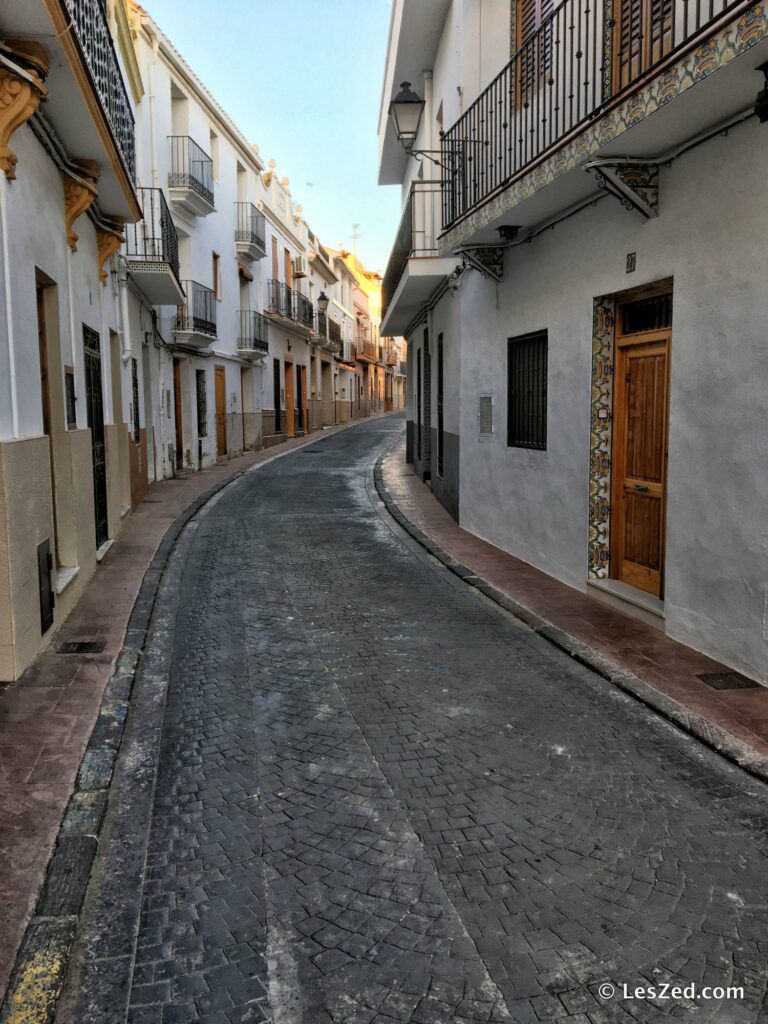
633	654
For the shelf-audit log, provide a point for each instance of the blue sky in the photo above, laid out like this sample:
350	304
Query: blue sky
301	79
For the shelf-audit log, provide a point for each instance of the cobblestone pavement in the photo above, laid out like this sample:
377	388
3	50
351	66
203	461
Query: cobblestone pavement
381	799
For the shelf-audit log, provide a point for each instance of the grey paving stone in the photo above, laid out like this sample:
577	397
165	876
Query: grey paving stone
380	799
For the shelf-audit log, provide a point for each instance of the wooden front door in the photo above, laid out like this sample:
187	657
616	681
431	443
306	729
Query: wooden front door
177	409
640	459
290	428
221	411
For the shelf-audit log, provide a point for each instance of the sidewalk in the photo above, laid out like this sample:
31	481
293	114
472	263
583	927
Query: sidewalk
46	718
634	656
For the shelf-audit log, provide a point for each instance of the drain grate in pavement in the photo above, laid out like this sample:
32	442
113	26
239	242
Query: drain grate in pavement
727	681
82	647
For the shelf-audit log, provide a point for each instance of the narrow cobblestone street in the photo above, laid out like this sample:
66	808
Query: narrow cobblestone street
381	799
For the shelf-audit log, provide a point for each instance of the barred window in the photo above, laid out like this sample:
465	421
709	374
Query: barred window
527	391
202	404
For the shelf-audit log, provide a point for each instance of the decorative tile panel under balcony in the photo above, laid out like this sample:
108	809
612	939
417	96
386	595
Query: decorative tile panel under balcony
196	316
190	183
252	341
327	332
250	233
293	311
87	114
414	269
152	251
594	83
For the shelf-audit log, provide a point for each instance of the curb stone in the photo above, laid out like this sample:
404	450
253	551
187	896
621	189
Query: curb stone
712	735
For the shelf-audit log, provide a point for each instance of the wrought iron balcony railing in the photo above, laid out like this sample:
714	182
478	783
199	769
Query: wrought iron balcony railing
250	225
416	235
94	39
582	59
153	239
281	299
328	329
253	332
402	368
334	331
197	314
191	167
305	311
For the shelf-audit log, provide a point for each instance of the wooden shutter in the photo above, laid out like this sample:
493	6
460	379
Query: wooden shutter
534	51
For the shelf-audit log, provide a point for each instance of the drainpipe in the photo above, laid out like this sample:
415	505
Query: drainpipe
126	345
7	288
151	95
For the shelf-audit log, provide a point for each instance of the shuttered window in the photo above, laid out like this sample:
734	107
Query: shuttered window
527	391
535	50
643	35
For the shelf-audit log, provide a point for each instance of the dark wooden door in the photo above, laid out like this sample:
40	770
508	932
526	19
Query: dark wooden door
427	447
178	409
95	406
290	428
640	460
221	412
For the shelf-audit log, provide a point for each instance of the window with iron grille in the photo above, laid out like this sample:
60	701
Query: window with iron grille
527	391
202	404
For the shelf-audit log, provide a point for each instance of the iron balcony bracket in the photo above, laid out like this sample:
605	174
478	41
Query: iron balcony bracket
634	183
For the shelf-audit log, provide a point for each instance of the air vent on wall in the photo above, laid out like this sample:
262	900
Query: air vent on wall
486	414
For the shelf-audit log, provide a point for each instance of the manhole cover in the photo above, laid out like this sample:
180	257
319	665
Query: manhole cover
727	681
82	646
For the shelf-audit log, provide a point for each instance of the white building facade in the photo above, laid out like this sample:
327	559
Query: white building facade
67	161
580	281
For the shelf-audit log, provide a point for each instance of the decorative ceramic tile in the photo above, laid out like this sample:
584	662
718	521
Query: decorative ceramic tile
734	39
600	437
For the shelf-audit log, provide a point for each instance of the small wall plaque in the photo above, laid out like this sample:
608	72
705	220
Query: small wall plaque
631	262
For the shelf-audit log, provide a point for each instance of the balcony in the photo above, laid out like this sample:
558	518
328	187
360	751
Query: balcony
401	368
196	316
415	268
190	183
328	332
249	233
64	49
366	349
252	341
295	311
152	250
280	300
95	42
577	67
305	311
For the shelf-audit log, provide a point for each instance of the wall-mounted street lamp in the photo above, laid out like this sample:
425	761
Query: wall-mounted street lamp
322	303
406	110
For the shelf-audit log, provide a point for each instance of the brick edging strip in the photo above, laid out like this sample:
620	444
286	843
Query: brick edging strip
42	960
712	735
